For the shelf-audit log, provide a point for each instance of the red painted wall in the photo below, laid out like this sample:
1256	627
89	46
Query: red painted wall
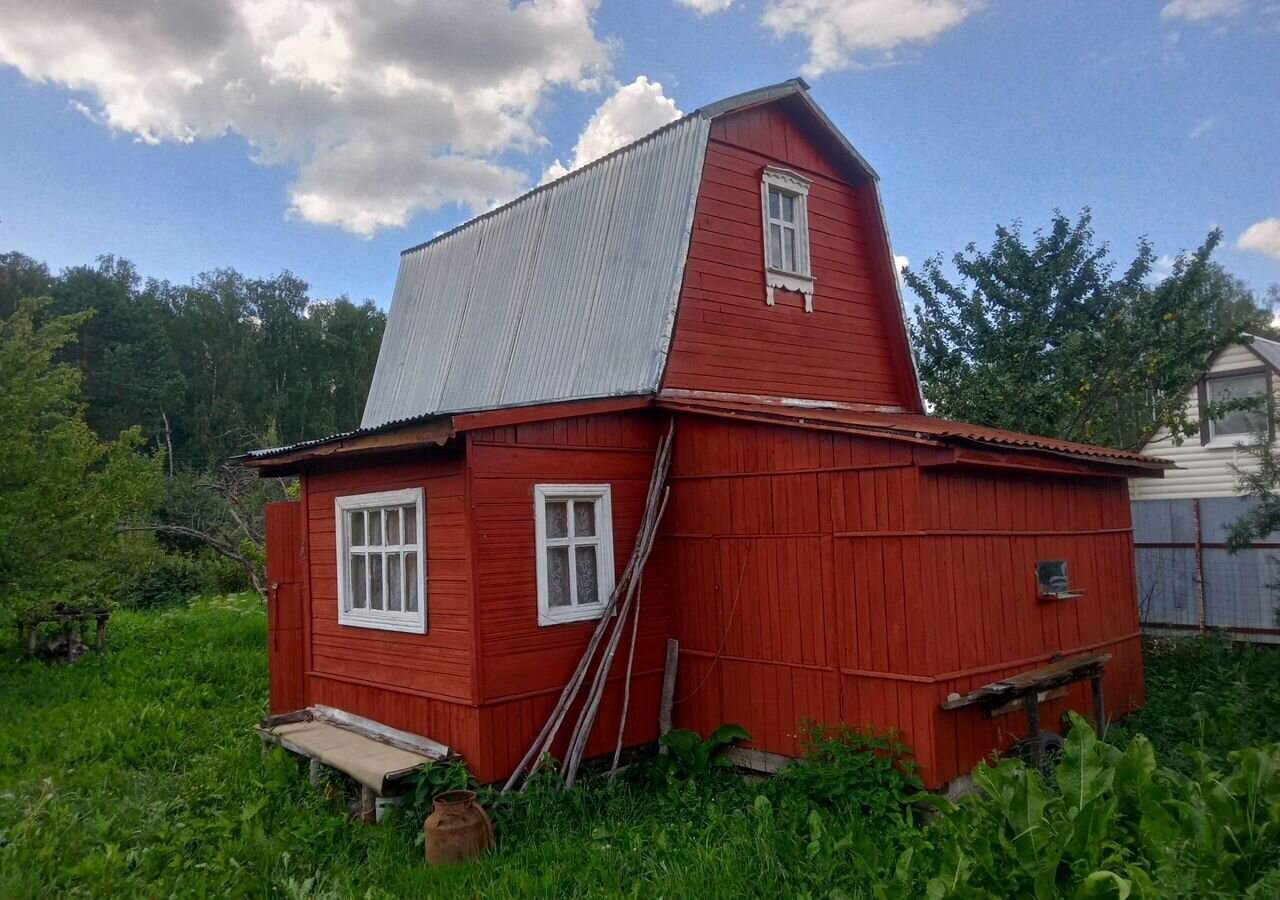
523	666
415	682
829	576
726	339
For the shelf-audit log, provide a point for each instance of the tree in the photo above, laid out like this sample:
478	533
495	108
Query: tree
62	489
1041	336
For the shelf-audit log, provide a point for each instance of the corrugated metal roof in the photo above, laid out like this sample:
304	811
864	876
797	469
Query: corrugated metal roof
914	425
568	292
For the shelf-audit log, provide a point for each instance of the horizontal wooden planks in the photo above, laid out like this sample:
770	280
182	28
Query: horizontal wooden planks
518	656
437	663
726	338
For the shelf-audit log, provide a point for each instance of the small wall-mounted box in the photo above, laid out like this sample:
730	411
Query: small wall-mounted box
1054	584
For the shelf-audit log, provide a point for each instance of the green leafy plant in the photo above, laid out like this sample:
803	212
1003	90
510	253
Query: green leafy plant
688	756
855	770
1109	823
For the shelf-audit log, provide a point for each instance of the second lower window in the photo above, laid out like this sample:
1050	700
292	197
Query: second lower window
574	526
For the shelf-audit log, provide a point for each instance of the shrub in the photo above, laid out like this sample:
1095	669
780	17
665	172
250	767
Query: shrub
167	579
854	770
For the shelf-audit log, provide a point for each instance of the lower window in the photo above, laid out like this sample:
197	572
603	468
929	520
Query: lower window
382	581
574	526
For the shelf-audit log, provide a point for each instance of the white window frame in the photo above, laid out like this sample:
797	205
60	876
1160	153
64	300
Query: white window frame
387	620
1234	438
603	541
800	280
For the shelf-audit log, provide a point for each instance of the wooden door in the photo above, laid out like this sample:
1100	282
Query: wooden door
286	558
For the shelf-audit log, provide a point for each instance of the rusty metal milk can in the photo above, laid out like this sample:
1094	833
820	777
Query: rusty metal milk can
458	828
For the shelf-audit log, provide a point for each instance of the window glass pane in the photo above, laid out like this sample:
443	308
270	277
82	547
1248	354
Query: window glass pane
393	527
1239	421
558	576
788	208
394	582
557	519
411	582
355	527
775	246
375	578
375	528
357	581
789	249
584	518
774	199
588	582
410	525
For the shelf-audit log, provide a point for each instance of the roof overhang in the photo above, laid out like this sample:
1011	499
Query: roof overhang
422	433
957	444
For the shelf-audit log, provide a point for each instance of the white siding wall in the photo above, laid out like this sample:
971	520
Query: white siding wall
1203	471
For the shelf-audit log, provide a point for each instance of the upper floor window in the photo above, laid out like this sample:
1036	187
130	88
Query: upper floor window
785	199
381	561
1237	424
574	527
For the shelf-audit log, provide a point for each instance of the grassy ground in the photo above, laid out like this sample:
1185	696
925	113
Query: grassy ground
135	774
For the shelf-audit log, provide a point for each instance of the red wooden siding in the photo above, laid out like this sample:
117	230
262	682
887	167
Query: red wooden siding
420	683
830	577
523	666
726	338
286	575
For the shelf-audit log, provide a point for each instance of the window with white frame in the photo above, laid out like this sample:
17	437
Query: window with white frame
574	527
382	581
1237	424
785	199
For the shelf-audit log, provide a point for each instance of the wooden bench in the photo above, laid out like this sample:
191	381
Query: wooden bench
1026	689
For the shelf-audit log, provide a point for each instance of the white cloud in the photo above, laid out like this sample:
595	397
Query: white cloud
632	112
849	33
1262	237
900	263
1202	10
387	109
1200	130
706	7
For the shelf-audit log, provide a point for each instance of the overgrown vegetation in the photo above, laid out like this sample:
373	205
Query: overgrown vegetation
123	399
135	774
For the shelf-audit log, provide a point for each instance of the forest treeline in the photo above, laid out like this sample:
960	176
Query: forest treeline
140	381
210	368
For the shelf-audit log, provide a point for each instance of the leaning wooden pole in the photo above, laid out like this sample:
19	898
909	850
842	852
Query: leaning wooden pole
587	718
644	540
626	688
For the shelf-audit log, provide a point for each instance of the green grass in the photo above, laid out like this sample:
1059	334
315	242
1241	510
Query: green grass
135	773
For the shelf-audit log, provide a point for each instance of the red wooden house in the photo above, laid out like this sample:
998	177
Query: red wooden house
829	552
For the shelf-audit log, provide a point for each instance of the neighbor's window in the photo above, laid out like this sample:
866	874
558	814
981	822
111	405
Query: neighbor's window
381	561
1239	423
574	527
785	196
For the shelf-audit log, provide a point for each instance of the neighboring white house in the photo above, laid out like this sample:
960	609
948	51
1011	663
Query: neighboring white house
1187	579
1204	461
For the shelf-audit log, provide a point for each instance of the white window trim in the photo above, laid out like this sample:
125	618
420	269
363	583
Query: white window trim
547	615
1234	439
412	622
802	280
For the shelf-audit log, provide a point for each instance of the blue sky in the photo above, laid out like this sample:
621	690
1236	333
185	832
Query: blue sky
119	136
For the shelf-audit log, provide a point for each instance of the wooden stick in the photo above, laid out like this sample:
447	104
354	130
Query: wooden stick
586	720
626	685
668	690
